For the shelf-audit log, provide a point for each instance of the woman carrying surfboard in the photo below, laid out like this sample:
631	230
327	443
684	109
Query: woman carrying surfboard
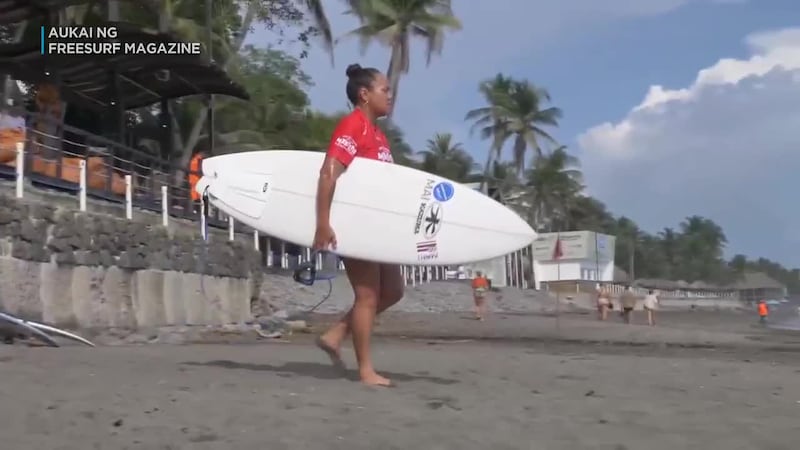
376	286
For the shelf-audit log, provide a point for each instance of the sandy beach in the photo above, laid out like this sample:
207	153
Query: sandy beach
504	387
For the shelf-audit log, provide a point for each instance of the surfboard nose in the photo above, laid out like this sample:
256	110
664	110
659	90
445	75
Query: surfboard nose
523	228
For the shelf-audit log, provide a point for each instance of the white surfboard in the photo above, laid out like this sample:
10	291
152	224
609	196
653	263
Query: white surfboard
59	332
42	331
381	212
26	328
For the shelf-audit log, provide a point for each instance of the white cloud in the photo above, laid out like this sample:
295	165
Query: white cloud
726	147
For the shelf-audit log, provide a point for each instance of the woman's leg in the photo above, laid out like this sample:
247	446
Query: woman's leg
376	288
480	306
392	286
391	291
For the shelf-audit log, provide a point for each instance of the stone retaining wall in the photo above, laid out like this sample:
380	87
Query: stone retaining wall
85	269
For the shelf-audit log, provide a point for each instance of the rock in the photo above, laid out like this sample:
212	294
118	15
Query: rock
6	216
271	324
281	314
297	325
28	231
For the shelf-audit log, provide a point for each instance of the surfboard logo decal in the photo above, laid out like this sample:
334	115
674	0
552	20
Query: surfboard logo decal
427	250
427	193
443	191
426	247
433	220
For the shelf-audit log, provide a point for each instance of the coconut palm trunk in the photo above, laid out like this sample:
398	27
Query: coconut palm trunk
397	67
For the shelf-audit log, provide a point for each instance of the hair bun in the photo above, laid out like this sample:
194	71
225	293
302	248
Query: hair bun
352	70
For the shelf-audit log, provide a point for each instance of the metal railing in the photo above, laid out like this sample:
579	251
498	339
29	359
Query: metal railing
53	153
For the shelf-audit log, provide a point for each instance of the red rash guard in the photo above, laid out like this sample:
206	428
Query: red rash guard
355	136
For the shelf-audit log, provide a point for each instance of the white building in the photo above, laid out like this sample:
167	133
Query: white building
582	255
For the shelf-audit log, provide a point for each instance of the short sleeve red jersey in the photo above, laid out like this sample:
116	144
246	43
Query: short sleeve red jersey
355	136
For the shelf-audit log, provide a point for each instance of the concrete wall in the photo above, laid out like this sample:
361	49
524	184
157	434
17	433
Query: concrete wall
94	269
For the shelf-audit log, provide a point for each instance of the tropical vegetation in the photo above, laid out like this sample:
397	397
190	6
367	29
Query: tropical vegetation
524	165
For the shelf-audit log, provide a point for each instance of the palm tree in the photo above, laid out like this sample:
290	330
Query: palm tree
669	246
587	213
401	151
394	22
447	159
552	186
701	245
502	183
488	122
515	110
628	237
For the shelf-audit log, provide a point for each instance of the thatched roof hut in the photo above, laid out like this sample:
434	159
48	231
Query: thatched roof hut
757	280
754	286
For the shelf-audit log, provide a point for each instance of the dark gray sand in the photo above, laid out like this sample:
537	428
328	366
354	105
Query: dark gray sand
449	395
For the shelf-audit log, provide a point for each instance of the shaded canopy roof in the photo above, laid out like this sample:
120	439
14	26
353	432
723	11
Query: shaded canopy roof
13	11
757	280
144	79
749	280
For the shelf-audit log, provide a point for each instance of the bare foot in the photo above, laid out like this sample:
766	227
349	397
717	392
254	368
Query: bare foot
333	353
373	379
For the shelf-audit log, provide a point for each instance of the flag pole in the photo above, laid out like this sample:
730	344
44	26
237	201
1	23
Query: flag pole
596	259
557	254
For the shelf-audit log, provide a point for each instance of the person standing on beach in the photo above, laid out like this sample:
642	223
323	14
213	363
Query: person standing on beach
603	302
628	301
763	312
480	286
376	286
650	305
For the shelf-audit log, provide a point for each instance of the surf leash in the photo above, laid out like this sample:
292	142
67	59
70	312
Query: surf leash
306	274
204	234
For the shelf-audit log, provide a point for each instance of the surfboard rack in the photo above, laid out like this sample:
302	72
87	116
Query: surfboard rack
41	332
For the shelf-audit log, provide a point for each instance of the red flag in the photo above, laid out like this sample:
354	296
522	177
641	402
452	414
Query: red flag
557	253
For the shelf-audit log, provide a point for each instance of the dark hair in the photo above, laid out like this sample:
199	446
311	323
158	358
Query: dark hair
357	78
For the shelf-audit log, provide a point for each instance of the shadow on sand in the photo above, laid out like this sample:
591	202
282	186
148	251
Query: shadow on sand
317	370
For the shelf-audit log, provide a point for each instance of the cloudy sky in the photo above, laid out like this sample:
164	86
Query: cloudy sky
675	107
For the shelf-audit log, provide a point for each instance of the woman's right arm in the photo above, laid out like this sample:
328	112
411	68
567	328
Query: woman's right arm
328	174
341	152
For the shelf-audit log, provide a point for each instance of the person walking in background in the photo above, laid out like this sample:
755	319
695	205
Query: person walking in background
763	312
603	302
628	301
195	172
650	305
480	286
